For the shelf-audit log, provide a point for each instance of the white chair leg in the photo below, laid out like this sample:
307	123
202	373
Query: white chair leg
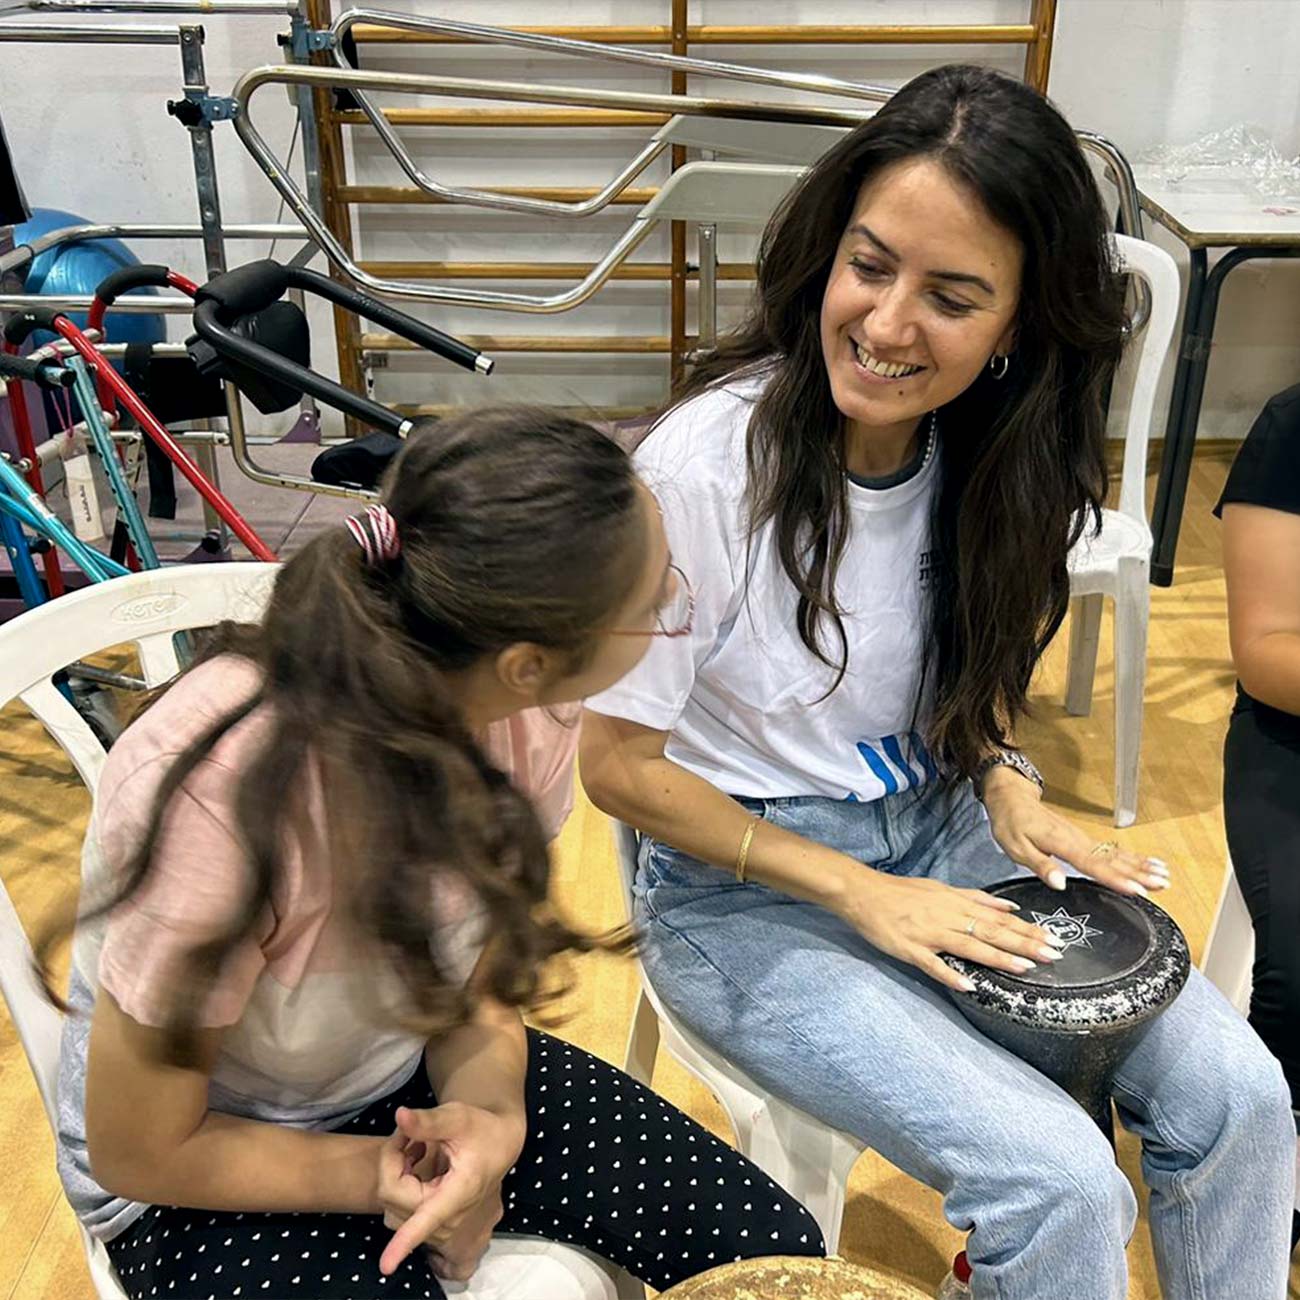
1085	631
642	1041
812	1162
626	1287
1297	1172
1132	607
1229	956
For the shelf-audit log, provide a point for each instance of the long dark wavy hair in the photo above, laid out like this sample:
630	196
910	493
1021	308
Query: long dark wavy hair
1023	459
516	524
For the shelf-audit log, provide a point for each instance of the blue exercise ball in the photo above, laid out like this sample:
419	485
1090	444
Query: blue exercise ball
78	269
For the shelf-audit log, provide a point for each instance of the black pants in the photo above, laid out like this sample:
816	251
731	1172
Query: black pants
608	1165
1261	804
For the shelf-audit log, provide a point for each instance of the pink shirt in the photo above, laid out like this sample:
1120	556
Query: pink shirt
199	870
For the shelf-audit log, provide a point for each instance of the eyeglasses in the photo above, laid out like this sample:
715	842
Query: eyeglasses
675	617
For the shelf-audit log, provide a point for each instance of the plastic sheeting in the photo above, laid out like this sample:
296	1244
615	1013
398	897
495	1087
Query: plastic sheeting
1240	154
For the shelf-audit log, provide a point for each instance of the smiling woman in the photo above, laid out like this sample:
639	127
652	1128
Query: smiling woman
874	484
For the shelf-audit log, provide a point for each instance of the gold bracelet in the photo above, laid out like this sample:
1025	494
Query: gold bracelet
742	858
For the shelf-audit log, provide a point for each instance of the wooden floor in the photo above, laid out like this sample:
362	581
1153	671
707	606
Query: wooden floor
890	1221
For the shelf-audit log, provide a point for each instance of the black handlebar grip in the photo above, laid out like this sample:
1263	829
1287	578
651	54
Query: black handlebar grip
44	373
245	290
408	327
20	326
112	287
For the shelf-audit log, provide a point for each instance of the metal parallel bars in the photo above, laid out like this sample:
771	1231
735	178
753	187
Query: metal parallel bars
805	34
680	35
336	212
677	237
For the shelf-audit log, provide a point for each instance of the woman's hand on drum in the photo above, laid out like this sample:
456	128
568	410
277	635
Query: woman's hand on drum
916	919
1038	838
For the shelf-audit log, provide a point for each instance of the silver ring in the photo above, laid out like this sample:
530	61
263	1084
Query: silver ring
970	929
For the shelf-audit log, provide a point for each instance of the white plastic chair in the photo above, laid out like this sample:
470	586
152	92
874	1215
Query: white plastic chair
1230	948
1116	563
811	1160
147	610
38	1025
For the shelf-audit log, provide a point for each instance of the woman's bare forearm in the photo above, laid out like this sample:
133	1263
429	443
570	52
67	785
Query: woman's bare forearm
152	1138
626	779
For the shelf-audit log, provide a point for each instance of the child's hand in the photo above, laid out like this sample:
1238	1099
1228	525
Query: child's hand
440	1184
398	1192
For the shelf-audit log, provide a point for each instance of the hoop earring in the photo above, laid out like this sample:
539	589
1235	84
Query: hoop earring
999	372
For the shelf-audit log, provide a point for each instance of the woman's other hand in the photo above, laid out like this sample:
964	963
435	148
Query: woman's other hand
1034	836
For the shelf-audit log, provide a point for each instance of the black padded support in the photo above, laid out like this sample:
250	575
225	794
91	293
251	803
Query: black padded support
245	290
22	324
113	286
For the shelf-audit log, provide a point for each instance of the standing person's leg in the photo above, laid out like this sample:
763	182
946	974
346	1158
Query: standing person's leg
1261	774
816	1015
611	1166
1261	778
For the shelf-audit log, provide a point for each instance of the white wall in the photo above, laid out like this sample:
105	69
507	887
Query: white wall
1146	72
89	132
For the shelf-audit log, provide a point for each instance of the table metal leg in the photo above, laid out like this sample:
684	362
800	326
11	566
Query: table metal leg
1185	405
1162	564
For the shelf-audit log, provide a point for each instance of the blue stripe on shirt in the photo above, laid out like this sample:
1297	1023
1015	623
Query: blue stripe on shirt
894	751
879	767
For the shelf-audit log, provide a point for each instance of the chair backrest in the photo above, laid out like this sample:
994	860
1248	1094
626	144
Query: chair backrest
1143	363
792	142
147	610
722	193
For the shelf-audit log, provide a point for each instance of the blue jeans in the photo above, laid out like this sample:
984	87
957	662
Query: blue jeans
816	1015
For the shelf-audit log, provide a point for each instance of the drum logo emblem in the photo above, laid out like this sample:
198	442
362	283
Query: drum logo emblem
1074	931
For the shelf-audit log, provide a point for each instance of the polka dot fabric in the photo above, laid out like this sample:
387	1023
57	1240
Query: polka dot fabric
608	1165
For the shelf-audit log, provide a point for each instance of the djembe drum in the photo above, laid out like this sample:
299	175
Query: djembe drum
795	1277
1077	1019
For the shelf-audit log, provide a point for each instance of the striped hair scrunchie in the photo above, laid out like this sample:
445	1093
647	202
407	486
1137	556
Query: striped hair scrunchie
376	533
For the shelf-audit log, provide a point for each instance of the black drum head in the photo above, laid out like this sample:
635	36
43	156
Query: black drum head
1107	937
1124	958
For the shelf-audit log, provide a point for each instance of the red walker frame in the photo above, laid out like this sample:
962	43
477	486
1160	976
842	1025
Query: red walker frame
114	390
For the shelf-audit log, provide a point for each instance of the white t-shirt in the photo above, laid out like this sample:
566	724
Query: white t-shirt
743	698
